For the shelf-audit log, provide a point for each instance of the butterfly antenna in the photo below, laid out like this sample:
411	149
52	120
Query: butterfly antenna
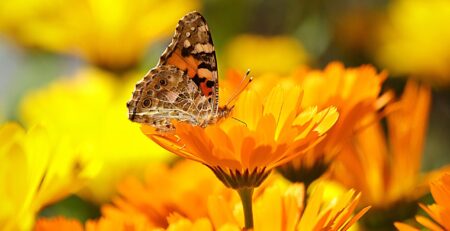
239	121
239	91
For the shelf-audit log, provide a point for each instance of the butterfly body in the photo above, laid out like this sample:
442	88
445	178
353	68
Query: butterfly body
184	84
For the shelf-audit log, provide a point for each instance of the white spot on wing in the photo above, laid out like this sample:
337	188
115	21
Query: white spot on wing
206	48
203	28
186	43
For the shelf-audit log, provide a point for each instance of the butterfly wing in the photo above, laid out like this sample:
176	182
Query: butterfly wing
184	84
192	51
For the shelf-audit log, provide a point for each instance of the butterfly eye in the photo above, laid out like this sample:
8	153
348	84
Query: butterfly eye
163	82
147	103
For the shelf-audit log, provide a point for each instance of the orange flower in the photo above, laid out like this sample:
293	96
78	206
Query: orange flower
152	204
267	133
270	132
58	223
355	93
156	199
388	172
439	212
130	221
280	208
127	222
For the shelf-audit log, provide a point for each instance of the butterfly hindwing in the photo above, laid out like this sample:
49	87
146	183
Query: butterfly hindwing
167	93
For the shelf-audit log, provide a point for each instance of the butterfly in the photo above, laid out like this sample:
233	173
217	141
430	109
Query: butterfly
184	85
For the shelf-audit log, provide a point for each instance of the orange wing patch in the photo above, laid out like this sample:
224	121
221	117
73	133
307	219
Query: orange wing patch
202	76
184	63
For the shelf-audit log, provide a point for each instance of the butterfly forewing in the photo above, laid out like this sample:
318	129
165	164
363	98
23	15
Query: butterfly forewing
184	84
192	50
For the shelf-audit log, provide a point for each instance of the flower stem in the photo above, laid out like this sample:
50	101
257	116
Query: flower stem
246	194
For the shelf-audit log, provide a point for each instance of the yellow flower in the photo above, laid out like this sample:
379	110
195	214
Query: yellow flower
277	54
112	34
36	169
272	131
280	207
414	41
387	169
156	202
355	92
439	212
89	108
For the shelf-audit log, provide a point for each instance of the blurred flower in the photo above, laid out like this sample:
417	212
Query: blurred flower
355	92
36	169
355	31
387	169
277	207
438	212
133	222
280	207
156	199
178	223
414	41
112	34
57	223
241	154
277	54
89	108
151	204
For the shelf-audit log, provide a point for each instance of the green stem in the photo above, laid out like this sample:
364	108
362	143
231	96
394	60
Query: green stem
246	194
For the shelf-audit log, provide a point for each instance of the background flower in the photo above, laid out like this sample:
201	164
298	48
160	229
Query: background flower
413	41
166	191
111	34
278	206
386	168
438	212
89	108
247	51
356	94
45	167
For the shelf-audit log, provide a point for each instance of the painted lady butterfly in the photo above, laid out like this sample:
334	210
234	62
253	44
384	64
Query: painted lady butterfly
184	84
